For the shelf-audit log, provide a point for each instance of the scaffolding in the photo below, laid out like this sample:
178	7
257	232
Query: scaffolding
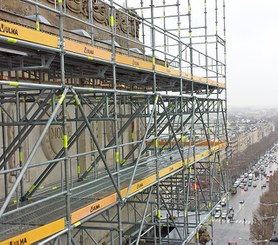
113	120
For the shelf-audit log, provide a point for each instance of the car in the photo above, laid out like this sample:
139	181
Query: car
231	215
232	242
236	184
223	202
224	215
250	183
241	202
218	207
246	188
267	178
241	185
264	185
254	184
239	180
233	190
217	215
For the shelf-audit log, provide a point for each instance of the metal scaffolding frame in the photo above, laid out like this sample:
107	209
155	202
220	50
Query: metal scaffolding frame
140	126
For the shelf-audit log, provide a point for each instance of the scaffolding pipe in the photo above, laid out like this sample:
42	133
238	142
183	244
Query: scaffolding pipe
32	154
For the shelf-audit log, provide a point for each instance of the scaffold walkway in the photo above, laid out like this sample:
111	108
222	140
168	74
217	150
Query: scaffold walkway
113	121
46	218
19	36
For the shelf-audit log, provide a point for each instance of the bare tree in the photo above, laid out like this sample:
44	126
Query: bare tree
263	219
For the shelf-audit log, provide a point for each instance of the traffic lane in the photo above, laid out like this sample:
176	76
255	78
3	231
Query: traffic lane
230	232
252	195
251	200
238	230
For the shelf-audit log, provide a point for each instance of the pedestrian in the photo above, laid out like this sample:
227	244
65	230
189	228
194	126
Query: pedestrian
244	220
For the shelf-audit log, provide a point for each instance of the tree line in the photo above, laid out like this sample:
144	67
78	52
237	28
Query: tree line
264	218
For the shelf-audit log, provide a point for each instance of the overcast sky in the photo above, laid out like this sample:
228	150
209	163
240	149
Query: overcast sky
252	52
252	48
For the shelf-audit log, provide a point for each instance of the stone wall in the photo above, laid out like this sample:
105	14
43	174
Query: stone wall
126	23
52	143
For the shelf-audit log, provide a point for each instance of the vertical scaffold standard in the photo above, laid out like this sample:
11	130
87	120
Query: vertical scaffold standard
113	120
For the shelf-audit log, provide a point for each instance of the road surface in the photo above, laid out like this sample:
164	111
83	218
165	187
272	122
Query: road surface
238	230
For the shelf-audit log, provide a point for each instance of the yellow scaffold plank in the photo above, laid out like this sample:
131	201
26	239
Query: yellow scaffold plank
92	208
17	32
139	185
76	216
166	70
36	234
170	169
137	63
87	50
186	75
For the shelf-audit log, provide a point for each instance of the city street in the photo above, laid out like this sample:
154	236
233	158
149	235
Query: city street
238	230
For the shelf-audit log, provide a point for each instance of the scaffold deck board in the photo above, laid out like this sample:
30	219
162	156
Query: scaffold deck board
14	33
47	218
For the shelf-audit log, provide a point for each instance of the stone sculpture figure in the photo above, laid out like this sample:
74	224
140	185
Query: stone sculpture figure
100	13
134	23
76	6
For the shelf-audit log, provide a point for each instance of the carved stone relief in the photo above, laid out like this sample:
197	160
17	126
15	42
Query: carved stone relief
124	24
100	13
54	138
134	23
